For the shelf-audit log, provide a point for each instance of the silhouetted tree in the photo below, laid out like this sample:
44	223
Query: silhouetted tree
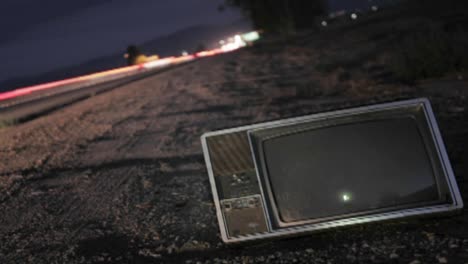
281	15
132	54
200	47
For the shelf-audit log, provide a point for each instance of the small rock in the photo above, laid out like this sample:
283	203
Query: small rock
456	109
430	236
148	253
442	259
351	257
181	203
16	177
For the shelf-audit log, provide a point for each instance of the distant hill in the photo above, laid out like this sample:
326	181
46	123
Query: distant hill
190	38
173	44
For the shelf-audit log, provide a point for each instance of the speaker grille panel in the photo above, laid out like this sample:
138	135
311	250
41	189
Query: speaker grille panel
230	154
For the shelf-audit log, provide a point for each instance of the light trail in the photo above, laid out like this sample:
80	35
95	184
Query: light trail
45	86
237	42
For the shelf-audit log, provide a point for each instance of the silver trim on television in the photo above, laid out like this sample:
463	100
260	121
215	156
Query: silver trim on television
439	144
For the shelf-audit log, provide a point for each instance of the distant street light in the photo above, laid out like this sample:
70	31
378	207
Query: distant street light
184	53
324	23
353	16
221	42
375	8
346	197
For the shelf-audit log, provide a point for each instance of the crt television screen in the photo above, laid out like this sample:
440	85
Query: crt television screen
348	169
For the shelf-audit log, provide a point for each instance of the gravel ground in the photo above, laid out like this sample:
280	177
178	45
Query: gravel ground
120	177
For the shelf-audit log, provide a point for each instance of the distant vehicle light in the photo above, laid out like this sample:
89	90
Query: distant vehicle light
353	16
35	88
251	36
207	53
221	42
152	58
184	53
375	8
230	47
158	63
324	23
141	59
346	197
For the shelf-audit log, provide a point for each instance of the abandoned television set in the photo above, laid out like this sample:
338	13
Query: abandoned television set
326	170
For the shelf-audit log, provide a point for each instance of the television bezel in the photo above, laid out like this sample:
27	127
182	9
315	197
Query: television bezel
275	231
257	148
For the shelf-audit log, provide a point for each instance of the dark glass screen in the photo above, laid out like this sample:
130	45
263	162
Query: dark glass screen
349	168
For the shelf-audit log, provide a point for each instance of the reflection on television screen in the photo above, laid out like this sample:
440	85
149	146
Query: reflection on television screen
358	167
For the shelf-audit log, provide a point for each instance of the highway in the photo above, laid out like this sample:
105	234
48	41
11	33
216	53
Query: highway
24	108
25	103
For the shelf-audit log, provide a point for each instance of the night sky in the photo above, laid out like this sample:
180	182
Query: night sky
38	36
80	30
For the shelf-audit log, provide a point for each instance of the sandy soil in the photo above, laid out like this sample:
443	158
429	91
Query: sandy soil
120	177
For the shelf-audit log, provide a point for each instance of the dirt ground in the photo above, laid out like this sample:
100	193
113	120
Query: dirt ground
120	177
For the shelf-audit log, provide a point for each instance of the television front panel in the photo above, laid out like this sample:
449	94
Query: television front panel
327	170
